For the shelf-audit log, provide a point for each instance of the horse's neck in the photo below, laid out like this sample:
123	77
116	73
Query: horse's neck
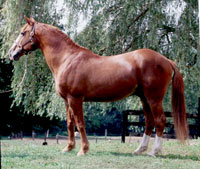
56	47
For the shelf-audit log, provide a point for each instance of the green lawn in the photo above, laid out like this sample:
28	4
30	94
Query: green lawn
28	154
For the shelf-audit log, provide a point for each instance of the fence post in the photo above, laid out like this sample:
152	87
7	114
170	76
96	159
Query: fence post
57	138
46	134
198	117
33	135
124	126
106	133
21	135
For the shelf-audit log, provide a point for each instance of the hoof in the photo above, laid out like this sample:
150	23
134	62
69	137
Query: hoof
65	150
154	153
151	154
68	148
81	153
140	150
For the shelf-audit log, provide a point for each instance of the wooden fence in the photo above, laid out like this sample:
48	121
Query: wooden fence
194	128
58	137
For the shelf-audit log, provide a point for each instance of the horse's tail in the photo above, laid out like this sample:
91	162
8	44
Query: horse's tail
178	105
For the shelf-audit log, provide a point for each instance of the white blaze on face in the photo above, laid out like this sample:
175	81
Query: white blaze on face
17	41
15	47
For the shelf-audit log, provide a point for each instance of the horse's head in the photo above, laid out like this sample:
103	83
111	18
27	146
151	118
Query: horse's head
25	42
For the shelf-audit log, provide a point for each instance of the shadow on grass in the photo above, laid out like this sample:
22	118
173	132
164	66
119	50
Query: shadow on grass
180	157
168	156
26	155
100	153
13	155
122	154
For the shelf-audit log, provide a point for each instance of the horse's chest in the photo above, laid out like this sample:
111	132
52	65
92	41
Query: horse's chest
60	89
68	84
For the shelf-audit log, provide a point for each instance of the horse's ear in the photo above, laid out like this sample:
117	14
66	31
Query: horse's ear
30	21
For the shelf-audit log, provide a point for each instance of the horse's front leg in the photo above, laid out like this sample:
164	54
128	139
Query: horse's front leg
76	106
70	127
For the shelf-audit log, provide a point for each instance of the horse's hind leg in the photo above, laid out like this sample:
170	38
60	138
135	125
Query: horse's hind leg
159	119
149	125
70	127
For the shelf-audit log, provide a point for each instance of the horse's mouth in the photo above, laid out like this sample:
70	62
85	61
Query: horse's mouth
16	56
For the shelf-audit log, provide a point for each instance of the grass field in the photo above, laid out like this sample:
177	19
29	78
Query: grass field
28	154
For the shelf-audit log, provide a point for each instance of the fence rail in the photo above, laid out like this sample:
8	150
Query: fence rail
126	123
59	137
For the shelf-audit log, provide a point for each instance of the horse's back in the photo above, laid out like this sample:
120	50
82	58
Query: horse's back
146	62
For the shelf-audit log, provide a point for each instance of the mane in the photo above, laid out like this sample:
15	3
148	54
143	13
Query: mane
60	34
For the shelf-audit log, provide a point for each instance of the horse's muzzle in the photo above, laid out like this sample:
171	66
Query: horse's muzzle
14	56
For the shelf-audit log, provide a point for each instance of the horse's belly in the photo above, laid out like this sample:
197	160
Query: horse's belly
112	94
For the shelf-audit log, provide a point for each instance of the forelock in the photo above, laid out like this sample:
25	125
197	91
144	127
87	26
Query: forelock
25	27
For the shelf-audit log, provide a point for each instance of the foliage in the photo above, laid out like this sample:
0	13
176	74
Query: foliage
112	27
98	119
103	154
117	27
34	96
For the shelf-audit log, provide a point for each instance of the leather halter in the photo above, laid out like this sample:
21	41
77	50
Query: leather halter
30	40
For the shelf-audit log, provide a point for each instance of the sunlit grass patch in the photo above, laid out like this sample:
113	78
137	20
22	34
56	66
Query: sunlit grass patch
29	154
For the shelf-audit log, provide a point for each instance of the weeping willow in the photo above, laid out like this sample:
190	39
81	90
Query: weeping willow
168	26
107	28
36	95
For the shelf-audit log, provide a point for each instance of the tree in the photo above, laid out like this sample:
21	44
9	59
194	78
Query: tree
112	27
38	88
116	27
25	97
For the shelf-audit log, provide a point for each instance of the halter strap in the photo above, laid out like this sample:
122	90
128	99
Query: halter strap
30	40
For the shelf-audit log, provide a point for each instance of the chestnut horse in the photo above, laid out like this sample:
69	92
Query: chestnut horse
80	75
